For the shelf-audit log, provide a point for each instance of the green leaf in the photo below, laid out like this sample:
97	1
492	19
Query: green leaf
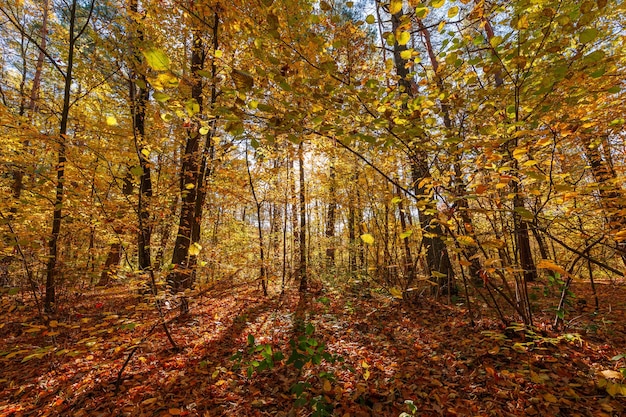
588	35
370	19
137	171
524	213
192	107
157	59
161	97
367	238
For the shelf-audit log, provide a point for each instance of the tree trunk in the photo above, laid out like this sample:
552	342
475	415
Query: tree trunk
111	264
139	96
302	248
330	219
257	203
183	262
437	258
57	214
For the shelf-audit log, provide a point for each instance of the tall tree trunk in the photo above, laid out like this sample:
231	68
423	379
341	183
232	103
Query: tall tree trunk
257	203
57	214
520	226
184	263
407	257
352	266
437	257
139	96
111	264
302	248
330	217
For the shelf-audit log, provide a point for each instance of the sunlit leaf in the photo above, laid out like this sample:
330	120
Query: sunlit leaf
395	6
157	59
367	238
403	38
194	249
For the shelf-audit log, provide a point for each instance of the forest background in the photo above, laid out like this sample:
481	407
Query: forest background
328	163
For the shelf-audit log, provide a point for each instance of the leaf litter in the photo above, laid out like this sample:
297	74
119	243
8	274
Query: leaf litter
423	359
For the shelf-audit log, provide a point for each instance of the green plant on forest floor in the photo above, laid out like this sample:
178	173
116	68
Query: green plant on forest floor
306	349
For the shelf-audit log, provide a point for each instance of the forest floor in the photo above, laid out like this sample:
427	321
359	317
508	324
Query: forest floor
368	355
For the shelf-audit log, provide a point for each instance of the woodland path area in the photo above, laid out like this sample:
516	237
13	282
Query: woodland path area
424	359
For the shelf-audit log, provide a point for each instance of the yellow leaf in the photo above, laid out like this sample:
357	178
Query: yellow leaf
149	401
547	264
453	11
613	389
522	22
406	54
218	53
403	38
550	398
609	373
326	386
194	249
367	238
111	121
395	6
466	241
157	59
395	292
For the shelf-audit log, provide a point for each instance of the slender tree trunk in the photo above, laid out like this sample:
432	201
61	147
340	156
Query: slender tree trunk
330	219
257	203
111	264
34	92
57	214
302	248
352	238
139	96
407	257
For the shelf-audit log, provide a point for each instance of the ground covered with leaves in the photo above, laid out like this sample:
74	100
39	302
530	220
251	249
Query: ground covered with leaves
344	353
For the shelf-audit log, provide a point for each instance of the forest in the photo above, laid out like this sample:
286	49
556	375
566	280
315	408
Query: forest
312	208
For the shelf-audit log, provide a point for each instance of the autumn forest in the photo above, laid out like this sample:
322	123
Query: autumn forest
312	208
